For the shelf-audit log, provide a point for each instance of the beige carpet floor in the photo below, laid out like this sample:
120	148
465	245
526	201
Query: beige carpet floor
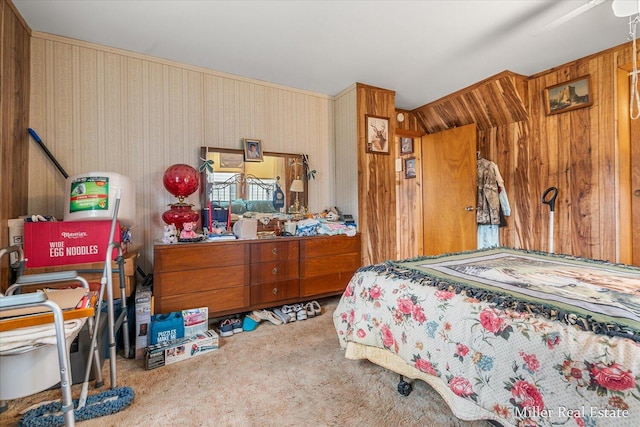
288	375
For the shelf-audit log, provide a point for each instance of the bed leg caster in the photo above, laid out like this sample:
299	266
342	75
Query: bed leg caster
404	387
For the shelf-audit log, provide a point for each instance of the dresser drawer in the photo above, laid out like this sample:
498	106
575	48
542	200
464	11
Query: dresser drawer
273	271
328	284
266	293
196	281
331	264
273	250
331	245
193	256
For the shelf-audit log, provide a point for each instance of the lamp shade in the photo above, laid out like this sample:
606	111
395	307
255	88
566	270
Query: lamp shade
181	180
297	186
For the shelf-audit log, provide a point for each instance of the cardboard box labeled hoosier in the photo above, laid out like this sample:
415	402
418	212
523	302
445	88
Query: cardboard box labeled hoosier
180	349
67	242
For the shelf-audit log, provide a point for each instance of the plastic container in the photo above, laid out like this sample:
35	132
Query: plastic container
31	371
92	196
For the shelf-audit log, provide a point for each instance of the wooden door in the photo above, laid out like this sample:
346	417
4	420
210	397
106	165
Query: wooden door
449	190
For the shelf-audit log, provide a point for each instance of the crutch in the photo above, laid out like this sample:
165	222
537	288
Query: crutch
551	201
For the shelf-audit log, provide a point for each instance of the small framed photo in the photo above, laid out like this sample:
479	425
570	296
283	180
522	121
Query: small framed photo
252	150
377	131
568	96
406	145
410	167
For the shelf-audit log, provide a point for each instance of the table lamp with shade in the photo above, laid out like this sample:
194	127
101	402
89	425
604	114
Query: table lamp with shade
297	186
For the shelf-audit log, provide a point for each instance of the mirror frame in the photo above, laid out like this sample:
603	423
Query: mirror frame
294	165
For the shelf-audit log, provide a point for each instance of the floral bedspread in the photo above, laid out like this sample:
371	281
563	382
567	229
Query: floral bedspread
527	369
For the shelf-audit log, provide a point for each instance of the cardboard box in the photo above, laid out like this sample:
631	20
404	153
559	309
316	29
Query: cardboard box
196	321
130	260
67	242
16	236
143	304
180	349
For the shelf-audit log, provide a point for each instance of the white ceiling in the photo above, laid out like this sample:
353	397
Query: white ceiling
423	50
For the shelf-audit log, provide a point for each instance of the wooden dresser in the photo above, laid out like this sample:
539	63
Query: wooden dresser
243	275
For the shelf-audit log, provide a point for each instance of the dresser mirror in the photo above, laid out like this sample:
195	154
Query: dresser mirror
227	179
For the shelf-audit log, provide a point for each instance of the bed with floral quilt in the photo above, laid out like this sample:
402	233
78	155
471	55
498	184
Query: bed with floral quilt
519	337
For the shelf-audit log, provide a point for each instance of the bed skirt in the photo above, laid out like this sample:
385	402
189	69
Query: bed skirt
388	360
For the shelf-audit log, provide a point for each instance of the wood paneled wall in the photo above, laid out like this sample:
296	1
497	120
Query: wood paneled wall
576	151
409	212
376	179
14	117
104	109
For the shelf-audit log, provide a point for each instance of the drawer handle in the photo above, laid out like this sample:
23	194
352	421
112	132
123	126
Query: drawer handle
275	270
275	291
275	251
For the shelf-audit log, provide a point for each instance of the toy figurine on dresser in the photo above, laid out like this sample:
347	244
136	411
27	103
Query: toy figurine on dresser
170	234
188	232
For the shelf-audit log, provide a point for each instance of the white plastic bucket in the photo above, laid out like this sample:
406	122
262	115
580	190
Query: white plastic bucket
92	196
33	370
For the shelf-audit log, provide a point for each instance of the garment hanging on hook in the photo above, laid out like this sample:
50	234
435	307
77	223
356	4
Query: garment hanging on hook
492	201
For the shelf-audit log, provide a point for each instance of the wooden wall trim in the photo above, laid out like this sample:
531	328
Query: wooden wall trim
18	17
14	118
624	230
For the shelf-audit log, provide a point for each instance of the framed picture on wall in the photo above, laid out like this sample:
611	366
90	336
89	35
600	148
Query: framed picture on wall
568	96
252	150
406	145
410	168
377	131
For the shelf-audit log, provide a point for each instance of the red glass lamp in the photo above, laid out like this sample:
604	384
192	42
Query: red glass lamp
181	180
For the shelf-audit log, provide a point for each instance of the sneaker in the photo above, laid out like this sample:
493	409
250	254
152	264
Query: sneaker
316	307
301	312
226	328
289	311
267	315
236	324
308	307
281	315
250	323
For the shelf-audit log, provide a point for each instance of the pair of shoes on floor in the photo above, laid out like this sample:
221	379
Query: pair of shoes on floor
295	312
230	326
267	315
250	322
302	311
313	309
285	317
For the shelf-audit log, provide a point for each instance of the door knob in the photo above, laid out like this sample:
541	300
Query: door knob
636	193
469	208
